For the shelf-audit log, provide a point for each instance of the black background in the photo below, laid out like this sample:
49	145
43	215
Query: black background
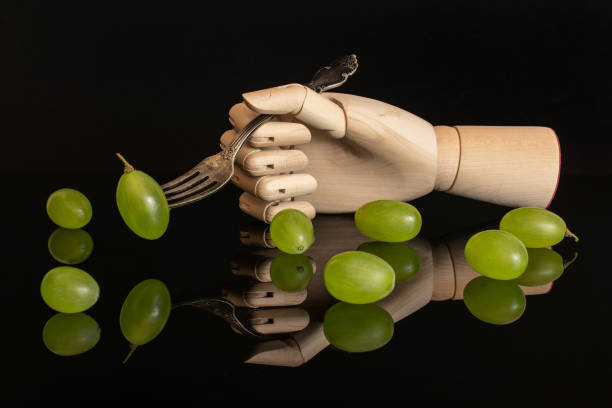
80	82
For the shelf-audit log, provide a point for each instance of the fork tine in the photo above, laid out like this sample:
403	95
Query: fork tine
193	190
180	179
187	185
208	190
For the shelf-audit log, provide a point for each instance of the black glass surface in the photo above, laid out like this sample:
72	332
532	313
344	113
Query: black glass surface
156	85
558	346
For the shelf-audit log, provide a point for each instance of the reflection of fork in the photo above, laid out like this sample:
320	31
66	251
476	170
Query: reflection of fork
224	309
262	324
212	173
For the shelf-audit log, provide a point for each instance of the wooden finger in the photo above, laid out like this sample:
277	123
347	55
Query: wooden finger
308	106
257	266
253	266
240	115
263	294
275	188
256	234
260	163
266	210
280	134
276	321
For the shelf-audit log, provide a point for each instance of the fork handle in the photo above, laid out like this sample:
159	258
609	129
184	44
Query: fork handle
328	77
231	150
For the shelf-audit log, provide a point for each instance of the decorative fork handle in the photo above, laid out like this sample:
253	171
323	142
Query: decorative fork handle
231	150
225	310
328	77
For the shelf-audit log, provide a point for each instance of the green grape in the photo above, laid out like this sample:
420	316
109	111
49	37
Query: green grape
69	334
291	272
142	203
292	231
69	208
358	277
536	227
68	289
545	265
496	254
357	328
145	312
494	301
388	220
404	260
70	246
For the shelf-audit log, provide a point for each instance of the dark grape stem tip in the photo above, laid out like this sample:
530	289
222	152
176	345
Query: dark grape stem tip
128	167
132	348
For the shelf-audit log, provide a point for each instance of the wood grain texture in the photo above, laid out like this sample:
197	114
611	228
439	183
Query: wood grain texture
308	106
387	153
444	272
263	294
515	166
278	161
449	152
410	296
280	320
280	134
362	150
275	187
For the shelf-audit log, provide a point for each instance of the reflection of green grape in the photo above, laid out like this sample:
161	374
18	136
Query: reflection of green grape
145	312
291	272
69	290
292	231
69	208
357	328
142	203
68	334
358	277
536	227
496	254
388	220
494	301
70	246
545	265
403	259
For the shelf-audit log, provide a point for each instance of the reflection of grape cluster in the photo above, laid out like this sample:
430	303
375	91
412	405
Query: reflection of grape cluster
360	278
356	278
517	254
67	289
70	290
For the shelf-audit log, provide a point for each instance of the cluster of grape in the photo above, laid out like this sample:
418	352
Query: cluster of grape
518	253
71	291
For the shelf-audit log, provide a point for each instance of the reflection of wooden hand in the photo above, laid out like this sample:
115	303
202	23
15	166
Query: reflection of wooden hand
443	274
334	152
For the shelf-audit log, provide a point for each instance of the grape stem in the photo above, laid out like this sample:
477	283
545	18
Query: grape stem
132	348
571	261
128	167
569	233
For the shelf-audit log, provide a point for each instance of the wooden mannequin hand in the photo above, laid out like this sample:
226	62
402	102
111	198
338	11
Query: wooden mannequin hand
348	150
344	151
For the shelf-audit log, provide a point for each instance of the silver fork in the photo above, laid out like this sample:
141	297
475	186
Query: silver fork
212	173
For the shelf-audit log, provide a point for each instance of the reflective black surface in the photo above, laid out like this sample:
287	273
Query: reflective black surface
81	82
557	349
